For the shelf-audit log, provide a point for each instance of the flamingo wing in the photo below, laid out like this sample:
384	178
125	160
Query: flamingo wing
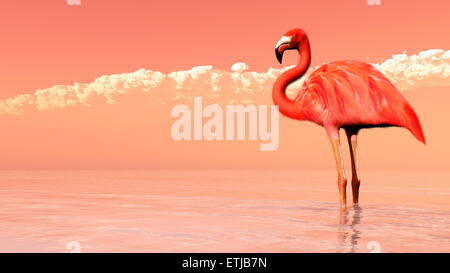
352	93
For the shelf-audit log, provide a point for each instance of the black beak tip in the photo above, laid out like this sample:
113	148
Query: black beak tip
279	56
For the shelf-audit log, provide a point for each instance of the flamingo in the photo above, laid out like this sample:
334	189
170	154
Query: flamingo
351	95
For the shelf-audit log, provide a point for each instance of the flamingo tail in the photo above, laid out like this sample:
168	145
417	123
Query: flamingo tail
414	124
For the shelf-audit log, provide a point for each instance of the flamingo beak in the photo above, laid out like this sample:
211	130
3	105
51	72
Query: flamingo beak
281	46
279	56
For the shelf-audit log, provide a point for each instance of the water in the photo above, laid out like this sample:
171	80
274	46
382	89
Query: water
221	211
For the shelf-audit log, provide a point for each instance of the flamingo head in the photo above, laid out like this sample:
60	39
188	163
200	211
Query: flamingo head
290	40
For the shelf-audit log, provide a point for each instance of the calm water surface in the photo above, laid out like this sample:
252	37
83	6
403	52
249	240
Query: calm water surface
220	211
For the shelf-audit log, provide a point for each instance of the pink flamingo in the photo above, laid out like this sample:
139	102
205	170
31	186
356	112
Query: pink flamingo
345	94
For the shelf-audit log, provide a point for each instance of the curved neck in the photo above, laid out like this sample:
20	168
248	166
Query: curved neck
287	106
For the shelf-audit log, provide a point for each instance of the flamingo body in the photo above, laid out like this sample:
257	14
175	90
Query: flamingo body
355	94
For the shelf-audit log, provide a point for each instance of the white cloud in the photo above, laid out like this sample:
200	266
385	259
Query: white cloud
239	67
427	69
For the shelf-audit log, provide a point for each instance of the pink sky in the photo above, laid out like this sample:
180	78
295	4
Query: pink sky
48	43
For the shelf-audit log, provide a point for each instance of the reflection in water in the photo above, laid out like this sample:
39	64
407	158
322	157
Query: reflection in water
348	233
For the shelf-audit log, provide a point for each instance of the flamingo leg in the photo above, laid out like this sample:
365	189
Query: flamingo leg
353	145
342	180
